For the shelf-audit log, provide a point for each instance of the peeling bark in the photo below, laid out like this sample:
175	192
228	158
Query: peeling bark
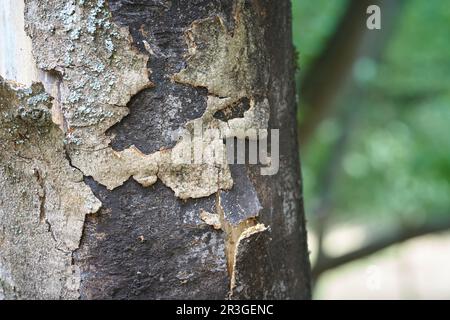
122	81
43	202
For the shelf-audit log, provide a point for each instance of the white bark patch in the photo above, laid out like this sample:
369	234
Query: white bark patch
16	61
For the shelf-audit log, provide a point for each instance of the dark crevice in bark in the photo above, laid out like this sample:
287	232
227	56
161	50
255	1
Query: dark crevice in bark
41	195
236	110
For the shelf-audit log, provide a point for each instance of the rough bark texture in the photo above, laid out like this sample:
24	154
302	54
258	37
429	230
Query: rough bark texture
43	200
130	76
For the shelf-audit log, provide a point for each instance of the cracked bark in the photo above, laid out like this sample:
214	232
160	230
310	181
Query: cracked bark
145	242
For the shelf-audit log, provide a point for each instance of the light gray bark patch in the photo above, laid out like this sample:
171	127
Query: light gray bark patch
43	201
229	63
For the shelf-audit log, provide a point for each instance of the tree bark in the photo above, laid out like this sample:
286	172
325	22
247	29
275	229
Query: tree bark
93	208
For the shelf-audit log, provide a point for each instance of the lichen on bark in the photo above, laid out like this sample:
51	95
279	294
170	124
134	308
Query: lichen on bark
43	202
100	72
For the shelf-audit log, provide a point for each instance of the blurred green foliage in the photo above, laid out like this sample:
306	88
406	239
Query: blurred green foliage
397	162
313	22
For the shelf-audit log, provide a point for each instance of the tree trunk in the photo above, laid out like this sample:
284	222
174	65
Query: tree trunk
93	205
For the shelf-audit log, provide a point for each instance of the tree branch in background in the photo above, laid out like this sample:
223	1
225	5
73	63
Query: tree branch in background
328	177
330	72
320	86
330	77
399	236
369	45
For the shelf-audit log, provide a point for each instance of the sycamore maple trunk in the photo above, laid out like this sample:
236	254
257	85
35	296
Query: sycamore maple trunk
144	242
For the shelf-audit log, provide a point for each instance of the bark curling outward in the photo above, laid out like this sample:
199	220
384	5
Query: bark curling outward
123	80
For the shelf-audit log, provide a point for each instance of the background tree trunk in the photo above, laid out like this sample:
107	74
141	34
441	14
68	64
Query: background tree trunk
90	207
